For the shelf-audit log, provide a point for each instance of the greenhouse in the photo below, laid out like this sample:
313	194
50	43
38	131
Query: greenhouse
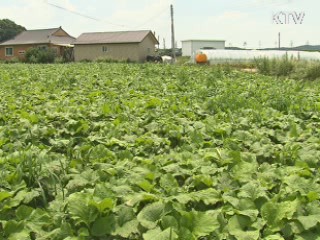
221	56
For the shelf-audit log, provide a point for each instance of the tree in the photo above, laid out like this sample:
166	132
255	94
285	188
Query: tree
9	29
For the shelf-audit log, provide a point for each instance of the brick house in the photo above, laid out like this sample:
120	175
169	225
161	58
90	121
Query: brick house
54	38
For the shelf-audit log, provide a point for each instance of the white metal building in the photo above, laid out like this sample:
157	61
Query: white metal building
190	47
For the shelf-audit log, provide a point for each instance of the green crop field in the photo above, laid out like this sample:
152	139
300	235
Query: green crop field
144	151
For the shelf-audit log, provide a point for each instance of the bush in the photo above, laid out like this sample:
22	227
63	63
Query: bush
284	67
85	60
105	60
40	55
263	65
110	60
59	60
313	72
12	60
275	67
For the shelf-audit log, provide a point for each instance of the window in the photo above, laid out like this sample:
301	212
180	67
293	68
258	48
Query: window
22	52
9	51
104	49
149	50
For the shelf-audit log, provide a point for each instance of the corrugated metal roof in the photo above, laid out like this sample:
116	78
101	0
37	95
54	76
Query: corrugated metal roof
113	37
38	37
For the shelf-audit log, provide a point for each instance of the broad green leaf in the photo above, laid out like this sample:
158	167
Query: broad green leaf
185	234
124	214
243	171
251	213
105	204
71	238
158	234
12	227
274	213
309	221
83	232
31	195
252	190
4	195
103	226
145	185
17	199
169	222
274	237
200	223
23	235
151	214
169	183
127	229
208	196
313	196
38	220
80	209
23	212
184	198
133	199
309	236
238	226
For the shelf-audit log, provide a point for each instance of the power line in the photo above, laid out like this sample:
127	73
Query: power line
153	18
165	9
162	11
255	5
81	14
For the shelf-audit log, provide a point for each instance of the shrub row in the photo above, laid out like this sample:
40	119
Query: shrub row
42	55
288	68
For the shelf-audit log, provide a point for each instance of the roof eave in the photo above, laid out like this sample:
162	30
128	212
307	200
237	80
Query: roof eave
17	44
203	40
98	43
153	36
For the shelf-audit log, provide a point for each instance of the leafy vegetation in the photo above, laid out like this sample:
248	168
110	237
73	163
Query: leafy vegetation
288	68
40	55
9	29
142	151
313	71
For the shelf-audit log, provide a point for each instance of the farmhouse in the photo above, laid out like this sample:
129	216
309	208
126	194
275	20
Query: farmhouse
124	45
189	47
54	38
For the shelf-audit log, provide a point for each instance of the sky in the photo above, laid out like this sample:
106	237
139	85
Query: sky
249	23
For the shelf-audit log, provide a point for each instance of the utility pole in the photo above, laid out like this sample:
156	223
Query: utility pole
279	40
172	36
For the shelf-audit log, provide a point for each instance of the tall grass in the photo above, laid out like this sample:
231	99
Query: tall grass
275	67
313	71
285	67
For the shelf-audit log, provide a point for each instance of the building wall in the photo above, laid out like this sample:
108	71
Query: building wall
19	49
186	48
123	51
146	47
189	48
60	33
